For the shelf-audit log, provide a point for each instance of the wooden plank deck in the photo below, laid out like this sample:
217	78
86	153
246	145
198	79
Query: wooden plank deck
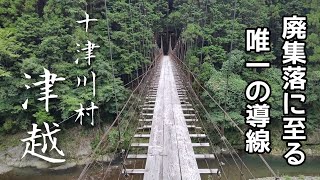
201	171
170	152
144	156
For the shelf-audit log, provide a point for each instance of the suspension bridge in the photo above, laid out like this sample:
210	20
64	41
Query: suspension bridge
170	134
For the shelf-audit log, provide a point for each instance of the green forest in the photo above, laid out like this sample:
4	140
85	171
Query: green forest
37	34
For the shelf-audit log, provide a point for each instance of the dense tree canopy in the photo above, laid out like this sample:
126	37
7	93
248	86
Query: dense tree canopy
37	34
40	34
214	34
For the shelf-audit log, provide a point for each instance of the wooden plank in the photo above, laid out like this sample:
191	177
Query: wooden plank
171	164
142	136
145	120
187	109
147	109
200	144
145	127
183	98
147	114
209	171
148	105
181	95
170	153
139	144
193	126
154	160
205	156
188	163
189	115
134	171
191	120
198	135
186	105
151	102
136	156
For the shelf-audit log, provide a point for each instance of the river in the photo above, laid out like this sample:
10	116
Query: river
310	168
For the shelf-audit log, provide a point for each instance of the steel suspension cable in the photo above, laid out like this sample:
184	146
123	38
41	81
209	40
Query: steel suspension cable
134	45
227	115
219	132
109	129
228	66
222	137
213	150
127	152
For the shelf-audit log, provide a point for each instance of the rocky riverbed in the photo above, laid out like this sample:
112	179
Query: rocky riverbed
12	159
76	148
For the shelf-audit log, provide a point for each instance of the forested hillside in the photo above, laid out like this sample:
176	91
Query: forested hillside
43	33
37	34
215	35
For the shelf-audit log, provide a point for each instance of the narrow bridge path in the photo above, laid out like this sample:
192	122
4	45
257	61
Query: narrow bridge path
170	152
170	140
